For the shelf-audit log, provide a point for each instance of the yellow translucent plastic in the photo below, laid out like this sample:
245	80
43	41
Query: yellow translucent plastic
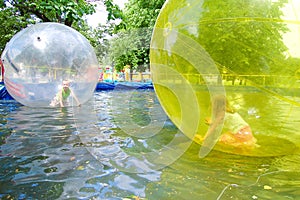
188	71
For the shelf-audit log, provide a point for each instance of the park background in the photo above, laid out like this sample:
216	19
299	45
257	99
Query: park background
119	47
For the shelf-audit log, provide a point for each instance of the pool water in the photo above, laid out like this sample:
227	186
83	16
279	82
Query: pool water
121	145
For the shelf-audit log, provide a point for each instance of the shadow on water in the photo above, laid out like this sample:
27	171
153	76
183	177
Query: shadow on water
104	151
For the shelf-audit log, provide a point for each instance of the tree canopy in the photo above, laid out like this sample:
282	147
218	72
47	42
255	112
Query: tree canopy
17	14
131	43
242	37
132	50
130	30
247	40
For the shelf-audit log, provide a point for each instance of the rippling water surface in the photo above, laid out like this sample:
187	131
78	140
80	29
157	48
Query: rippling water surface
121	146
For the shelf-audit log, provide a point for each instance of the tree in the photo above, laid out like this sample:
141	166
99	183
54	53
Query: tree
240	37
247	40
130	46
17	14
61	11
100	40
292	67
10	25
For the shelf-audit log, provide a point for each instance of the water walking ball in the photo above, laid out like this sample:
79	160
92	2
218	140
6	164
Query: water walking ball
39	58
244	51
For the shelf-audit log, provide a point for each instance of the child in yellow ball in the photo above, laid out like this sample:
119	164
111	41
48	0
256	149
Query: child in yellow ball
236	131
62	96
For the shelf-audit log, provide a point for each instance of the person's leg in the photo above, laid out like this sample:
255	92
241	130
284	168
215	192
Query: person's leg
227	139
54	102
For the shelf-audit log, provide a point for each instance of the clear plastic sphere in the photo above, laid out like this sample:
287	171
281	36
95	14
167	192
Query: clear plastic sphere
245	51
38	59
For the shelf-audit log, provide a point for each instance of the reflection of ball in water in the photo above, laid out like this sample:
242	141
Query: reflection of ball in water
40	57
201	49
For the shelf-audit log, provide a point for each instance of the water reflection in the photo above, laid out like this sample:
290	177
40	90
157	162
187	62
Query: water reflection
61	154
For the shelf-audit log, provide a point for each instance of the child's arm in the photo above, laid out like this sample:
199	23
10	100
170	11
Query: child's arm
75	97
214	124
60	98
212	135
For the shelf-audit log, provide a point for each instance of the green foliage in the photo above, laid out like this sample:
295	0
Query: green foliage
61	11
101	43
114	11
131	47
10	25
17	14
140	14
247	40
292	67
131	44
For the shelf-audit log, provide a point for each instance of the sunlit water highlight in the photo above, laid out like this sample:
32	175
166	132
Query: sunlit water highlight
58	154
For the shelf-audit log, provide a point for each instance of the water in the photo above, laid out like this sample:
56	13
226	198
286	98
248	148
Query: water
121	146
